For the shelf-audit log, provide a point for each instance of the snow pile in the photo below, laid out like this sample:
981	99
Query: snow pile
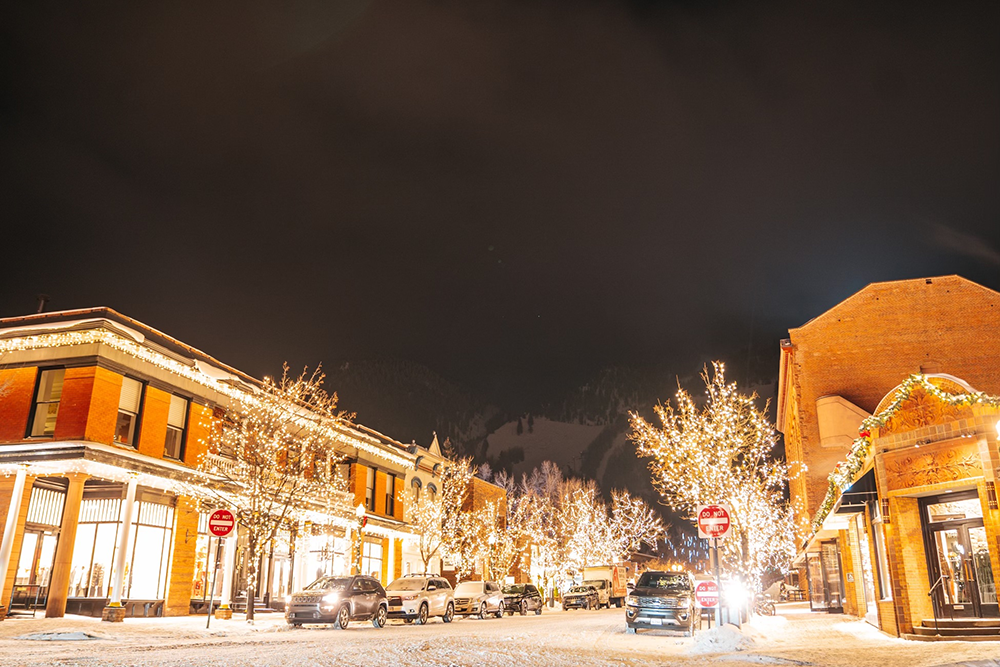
60	637
723	639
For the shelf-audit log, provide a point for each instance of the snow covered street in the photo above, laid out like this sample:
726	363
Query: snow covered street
795	637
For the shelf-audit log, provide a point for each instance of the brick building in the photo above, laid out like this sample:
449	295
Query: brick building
887	403
103	421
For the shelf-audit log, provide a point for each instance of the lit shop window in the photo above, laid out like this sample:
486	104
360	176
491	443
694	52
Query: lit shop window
46	407
371	559
128	412
176	425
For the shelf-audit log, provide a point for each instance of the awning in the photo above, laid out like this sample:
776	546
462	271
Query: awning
854	498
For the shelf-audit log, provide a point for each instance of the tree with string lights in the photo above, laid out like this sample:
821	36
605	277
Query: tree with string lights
275	463
437	519
723	453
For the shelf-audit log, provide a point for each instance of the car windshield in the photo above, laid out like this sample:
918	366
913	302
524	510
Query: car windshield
329	584
580	589
469	588
666	580
597	583
514	590
406	585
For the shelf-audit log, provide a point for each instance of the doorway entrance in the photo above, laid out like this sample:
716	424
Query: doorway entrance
958	556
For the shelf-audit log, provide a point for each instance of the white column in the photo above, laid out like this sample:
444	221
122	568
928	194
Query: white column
7	546
229	570
391	569
124	537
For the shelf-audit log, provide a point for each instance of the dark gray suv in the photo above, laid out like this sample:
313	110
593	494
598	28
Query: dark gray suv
338	600
662	600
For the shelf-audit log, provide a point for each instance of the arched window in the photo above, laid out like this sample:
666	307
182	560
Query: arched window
416	484
431	491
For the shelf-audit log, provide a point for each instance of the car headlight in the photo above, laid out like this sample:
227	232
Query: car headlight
331	598
407	597
632	601
288	599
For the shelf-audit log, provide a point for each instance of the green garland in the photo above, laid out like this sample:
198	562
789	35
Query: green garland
844	472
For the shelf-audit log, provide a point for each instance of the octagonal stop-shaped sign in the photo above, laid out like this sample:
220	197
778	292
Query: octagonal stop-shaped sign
713	521
706	593
221	523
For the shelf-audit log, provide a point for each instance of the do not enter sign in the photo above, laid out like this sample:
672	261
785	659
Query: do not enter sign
221	523
707	594
713	521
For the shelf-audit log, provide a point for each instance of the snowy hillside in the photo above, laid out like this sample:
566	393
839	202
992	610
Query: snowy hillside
548	440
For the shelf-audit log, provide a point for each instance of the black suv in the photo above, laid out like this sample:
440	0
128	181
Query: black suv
663	600
522	598
339	600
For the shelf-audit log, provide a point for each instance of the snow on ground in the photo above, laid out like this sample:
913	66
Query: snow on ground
557	638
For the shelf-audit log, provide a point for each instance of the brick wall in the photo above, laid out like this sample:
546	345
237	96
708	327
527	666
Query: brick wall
153	423
103	414
74	405
864	347
200	424
182	558
16	404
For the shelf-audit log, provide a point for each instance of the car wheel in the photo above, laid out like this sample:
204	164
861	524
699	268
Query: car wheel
538	612
449	613
586	605
422	615
482	611
500	610
380	617
343	618
523	608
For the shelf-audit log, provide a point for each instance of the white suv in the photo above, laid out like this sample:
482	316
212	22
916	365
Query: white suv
417	597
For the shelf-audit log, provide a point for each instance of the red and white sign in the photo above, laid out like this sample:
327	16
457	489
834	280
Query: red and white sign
706	593
221	523
713	521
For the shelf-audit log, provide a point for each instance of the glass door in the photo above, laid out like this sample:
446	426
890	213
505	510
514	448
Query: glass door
960	557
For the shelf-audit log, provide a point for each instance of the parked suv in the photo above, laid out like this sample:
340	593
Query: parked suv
662	600
479	598
417	597
522	598
581	597
339	600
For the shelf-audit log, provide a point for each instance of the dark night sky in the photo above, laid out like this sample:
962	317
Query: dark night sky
512	193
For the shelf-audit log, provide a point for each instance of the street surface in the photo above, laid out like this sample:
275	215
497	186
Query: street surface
795	637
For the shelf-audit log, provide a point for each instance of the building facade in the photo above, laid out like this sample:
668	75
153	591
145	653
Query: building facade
888	403
103	423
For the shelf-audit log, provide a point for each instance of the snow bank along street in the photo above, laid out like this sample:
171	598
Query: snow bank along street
794	637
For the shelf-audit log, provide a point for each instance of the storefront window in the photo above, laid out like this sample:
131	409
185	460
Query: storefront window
371	558
956	510
148	556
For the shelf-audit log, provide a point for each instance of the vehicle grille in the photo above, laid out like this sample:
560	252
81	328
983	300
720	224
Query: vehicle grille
461	600
660	603
305	599
396	601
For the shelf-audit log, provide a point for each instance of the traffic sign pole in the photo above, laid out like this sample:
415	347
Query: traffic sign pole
220	524
718	582
215	576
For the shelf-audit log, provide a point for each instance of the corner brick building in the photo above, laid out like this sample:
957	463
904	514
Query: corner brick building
893	391
103	422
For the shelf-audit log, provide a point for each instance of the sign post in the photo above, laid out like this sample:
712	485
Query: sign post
220	524
714	524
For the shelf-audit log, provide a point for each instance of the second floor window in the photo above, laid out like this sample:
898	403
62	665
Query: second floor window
370	490
128	412
176	425
50	386
390	495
